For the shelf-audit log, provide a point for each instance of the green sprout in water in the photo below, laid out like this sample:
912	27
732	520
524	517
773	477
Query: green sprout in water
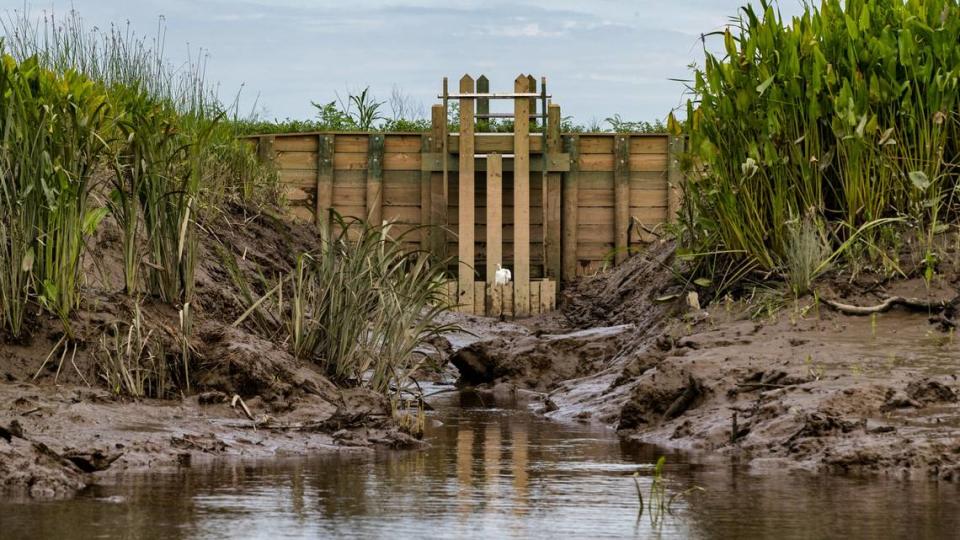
660	504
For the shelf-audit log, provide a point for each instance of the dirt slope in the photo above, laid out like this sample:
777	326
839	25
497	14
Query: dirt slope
58	421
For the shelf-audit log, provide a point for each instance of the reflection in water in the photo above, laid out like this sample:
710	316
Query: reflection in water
491	472
464	465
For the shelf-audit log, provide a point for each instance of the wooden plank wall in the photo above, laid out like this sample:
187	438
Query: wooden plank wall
402	186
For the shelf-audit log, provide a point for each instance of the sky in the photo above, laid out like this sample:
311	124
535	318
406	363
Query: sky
600	57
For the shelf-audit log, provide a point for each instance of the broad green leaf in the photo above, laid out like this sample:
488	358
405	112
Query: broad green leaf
93	218
920	180
762	87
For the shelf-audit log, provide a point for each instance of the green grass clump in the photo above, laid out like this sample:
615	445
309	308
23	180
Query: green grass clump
50	144
365	308
845	116
96	123
362	307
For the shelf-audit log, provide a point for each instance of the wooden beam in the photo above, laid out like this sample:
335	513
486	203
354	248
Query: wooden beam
521	200
571	207
494	240
425	192
438	187
465	199
621	186
548	295
266	151
375	180
559	162
501	143
552	200
324	199
674	177
483	104
532	88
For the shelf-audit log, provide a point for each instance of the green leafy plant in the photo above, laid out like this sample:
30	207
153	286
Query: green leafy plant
846	114
362	306
51	133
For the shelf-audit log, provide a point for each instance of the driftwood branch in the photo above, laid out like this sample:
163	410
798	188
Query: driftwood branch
889	303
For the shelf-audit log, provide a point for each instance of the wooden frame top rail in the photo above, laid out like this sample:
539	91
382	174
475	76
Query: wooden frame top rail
502	115
495	96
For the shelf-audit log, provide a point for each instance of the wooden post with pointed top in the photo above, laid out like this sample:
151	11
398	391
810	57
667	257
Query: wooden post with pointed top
465	240
521	199
532	87
483	104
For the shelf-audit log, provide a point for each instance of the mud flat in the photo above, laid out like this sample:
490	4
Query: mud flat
804	388
61	428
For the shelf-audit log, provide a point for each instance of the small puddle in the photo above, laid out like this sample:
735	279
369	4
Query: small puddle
493	471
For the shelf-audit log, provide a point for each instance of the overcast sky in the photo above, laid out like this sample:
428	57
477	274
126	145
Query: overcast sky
600	57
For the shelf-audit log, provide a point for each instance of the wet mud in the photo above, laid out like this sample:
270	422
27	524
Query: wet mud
806	388
61	428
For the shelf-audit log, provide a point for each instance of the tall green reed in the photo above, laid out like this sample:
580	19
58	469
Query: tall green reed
361	306
846	114
52	142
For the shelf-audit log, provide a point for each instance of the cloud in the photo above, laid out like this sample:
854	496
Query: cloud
601	56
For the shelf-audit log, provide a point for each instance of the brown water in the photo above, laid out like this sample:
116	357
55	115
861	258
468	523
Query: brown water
494	471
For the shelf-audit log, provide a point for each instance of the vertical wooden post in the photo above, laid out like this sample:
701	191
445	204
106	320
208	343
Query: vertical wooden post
674	176
483	104
551	198
425	187
438	187
532	87
375	179
521	200
265	150
325	148
621	183
571	205
465	240
494	230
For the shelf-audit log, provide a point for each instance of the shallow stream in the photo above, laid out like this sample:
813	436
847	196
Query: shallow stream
493	471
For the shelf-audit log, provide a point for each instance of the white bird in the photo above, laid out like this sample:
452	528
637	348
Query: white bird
503	276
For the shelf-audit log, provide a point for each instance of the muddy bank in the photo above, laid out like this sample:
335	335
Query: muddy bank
806	388
61	426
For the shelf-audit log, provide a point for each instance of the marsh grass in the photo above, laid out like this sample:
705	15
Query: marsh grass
51	144
130	361
79	104
361	307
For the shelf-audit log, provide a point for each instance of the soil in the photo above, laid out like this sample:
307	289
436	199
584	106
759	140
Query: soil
805	388
802	387
61	428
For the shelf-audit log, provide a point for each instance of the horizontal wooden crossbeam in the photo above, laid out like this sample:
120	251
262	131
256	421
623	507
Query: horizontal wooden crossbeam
433	161
495	96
